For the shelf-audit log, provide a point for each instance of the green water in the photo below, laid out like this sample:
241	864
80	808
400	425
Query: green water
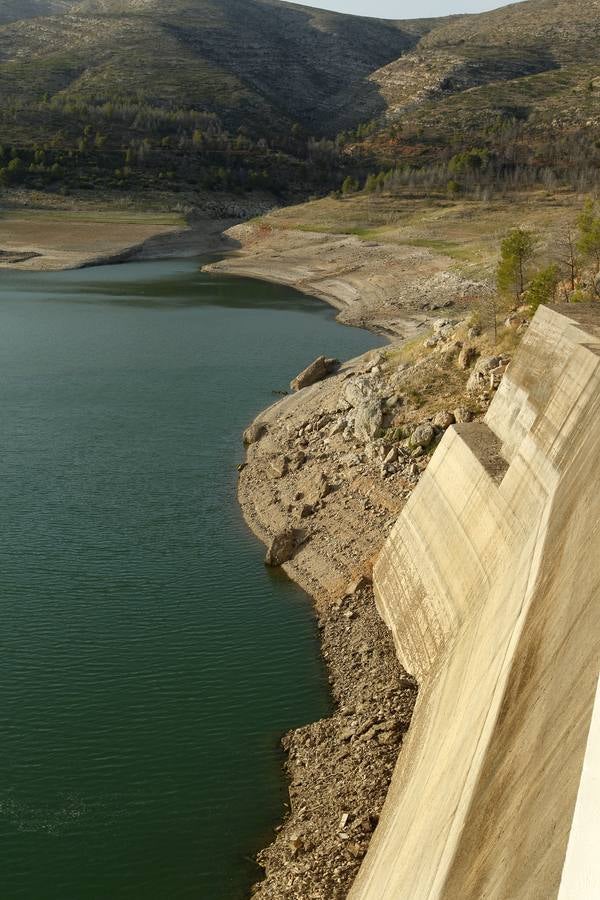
148	660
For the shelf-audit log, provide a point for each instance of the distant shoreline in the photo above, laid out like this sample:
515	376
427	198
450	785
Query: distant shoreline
39	243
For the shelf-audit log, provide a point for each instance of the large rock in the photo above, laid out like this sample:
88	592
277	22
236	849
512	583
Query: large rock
444	419
467	357
279	466
254	433
320	368
316	488
368	419
281	548
479	377
463	414
360	390
422	436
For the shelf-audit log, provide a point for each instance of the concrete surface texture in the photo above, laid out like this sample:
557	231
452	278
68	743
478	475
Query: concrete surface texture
490	583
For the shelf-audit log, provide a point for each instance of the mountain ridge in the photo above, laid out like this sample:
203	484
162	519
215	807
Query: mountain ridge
261	93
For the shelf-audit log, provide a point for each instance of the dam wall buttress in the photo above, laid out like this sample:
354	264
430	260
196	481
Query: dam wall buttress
490	584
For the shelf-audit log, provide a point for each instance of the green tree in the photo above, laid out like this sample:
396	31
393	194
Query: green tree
14	169
475	160
589	233
349	185
516	251
542	287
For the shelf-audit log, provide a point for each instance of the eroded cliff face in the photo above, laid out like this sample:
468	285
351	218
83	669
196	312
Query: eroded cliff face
489	584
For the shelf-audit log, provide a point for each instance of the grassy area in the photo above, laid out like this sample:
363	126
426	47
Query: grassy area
467	231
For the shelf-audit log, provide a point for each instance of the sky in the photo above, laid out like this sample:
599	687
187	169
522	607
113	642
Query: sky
405	9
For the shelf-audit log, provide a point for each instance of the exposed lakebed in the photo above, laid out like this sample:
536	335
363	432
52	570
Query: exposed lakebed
149	661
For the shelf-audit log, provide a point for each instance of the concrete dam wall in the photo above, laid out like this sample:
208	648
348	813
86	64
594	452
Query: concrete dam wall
490	584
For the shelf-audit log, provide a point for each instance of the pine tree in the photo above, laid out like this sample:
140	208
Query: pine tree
516	251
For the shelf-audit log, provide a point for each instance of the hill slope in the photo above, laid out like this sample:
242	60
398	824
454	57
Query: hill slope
522	82
243	94
251	62
220	94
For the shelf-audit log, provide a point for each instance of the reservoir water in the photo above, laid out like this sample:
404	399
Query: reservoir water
149	662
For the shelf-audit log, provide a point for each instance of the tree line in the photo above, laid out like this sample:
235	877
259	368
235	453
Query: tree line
573	275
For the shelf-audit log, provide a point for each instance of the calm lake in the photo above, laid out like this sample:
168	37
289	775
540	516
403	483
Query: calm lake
149	662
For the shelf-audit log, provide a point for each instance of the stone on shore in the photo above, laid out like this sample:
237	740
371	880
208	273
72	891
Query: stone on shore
368	419
463	414
254	433
467	357
479	377
319	369
444	419
422	436
281	548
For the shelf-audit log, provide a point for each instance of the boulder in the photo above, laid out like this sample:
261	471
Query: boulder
316	488
253	433
368	419
279	466
360	390
391	457
463	414
467	357
479	377
422	436
319	369
281	548
444	419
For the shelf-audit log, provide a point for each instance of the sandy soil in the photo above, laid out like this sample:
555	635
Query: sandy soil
47	241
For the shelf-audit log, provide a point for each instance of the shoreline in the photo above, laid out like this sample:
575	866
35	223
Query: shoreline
316	470
340	499
48	246
393	290
339	768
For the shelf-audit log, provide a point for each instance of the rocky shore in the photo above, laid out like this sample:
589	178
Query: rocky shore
328	469
389	288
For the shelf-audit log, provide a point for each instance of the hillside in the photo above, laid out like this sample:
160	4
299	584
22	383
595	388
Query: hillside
237	95
522	82
250	62
225	91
